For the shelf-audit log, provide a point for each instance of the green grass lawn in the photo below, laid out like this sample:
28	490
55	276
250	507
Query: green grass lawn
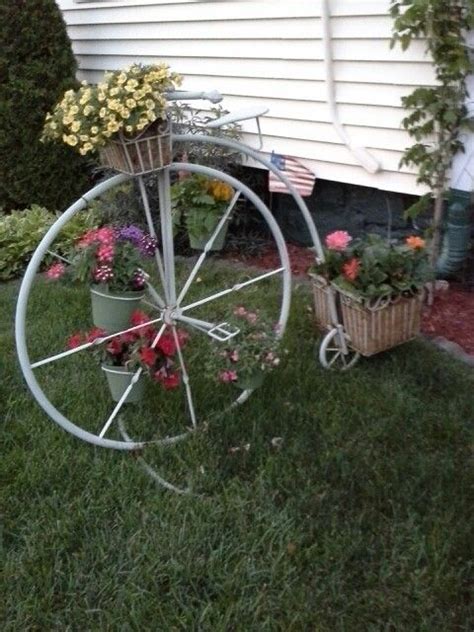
357	518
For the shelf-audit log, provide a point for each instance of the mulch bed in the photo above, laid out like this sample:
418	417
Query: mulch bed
451	316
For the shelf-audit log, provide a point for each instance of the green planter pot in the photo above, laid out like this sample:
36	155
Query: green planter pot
255	380
112	311
118	379
198	243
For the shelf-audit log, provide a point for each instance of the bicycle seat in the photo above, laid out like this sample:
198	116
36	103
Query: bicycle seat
238	115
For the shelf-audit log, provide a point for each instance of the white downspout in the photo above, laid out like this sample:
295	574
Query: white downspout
361	154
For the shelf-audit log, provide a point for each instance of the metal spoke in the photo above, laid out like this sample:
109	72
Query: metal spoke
234	288
152	231
97	341
207	247
55	254
167	235
335	357
185	379
133	381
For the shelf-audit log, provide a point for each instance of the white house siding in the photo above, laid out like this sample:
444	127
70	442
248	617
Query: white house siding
270	52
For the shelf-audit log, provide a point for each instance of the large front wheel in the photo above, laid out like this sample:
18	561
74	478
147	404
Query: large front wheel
199	295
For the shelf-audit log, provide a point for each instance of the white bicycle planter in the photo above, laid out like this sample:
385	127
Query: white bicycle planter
171	304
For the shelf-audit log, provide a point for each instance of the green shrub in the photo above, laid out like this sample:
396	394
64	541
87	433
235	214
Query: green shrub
36	67
21	231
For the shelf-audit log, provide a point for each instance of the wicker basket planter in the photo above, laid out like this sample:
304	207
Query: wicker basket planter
321	299
375	328
146	152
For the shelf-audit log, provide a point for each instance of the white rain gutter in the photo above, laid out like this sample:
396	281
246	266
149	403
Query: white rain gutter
361	154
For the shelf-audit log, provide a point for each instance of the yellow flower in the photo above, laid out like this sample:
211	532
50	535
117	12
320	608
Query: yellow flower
151	115
76	126
124	113
85	97
88	110
150	104
131	85
94	129
147	89
113	126
107	134
68	120
102	112
70	140
88	147
130	103
141	125
138	94
101	97
122	78
129	128
114	92
83	138
53	125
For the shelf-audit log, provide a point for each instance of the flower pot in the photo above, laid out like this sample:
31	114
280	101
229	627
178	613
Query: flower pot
199	243
250	382
321	301
112	311
147	151
376	327
118	379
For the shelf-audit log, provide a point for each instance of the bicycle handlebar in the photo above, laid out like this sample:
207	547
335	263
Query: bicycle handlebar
214	96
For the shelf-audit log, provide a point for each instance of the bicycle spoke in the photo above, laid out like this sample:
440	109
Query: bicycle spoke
207	247
334	358
152	231
133	381
234	288
185	379
167	239
97	341
55	254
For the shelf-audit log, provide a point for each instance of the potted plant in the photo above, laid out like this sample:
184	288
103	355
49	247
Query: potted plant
110	260
248	357
123	117
201	202
122	355
378	284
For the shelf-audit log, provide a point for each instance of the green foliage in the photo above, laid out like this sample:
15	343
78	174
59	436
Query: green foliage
201	202
21	231
187	120
436	114
36	66
358	518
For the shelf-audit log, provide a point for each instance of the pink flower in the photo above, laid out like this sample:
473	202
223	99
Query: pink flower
251	317
234	355
338	240
105	253
240	311
228	376
106	236
55	271
103	273
167	345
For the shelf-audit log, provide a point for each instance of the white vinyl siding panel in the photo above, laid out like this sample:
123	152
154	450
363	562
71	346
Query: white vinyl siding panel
271	52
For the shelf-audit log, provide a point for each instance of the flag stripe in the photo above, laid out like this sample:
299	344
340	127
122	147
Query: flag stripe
300	177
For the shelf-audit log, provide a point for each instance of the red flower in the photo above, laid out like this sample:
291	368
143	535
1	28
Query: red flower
148	356
170	381
351	269
114	347
55	271
167	345
138	318
74	341
95	333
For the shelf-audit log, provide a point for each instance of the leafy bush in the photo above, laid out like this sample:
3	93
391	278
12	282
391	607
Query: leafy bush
21	231
36	67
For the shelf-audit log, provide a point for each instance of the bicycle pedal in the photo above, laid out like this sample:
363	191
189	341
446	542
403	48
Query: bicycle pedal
223	332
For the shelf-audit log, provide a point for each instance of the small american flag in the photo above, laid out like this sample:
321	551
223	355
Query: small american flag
301	177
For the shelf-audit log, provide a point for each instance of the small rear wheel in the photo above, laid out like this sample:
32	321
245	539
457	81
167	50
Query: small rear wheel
331	352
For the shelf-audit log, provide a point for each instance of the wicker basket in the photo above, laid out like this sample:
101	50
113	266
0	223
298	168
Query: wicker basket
321	298
375	328
146	152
